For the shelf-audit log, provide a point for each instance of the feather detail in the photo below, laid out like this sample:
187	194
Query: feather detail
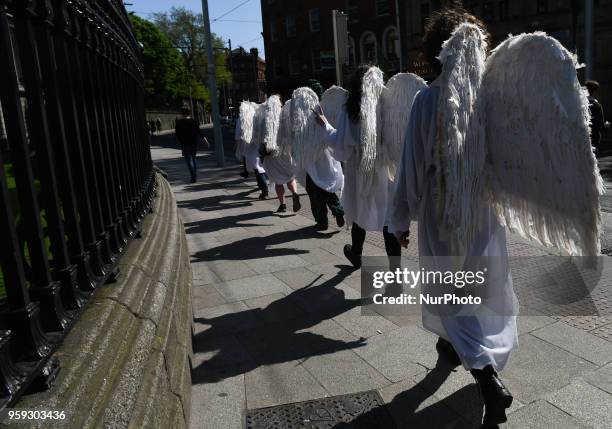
271	120
396	105
284	129
307	145
544	182
333	103
247	113
258	124
459	153
371	87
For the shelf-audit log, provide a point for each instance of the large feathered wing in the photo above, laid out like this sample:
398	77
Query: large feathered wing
458	154
372	86
307	145
333	103
284	129
247	113
395	107
271	121
258	124
544	180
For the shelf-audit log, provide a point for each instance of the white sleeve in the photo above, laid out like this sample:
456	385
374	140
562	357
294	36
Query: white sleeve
339	139
410	175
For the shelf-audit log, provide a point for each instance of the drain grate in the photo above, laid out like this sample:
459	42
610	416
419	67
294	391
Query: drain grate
364	410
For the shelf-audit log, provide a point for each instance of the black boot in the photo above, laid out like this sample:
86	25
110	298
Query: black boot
282	208
495	395
351	256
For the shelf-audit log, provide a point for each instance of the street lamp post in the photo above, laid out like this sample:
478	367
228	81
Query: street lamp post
212	79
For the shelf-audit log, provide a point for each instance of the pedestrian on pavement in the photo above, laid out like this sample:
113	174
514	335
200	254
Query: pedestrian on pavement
365	199
239	147
251	153
277	159
480	340
189	134
158	124
598	123
323	178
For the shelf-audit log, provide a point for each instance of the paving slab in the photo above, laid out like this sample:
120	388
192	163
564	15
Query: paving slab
344	372
298	278
251	287
601	378
537	368
232	270
576	341
218	405
206	296
586	403
276	263
542	415
281	383
400	353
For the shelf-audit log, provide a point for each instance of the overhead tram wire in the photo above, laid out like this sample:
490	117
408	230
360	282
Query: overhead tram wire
230	11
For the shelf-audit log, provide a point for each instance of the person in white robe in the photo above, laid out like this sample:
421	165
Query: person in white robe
481	340
366	208
252	156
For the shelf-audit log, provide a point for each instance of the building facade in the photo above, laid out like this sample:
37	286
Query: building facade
299	42
248	77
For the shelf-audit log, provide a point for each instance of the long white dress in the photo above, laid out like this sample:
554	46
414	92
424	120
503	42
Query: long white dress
251	155
367	208
280	168
326	173
482	337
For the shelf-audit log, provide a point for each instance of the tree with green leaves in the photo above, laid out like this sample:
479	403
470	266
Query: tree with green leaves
185	29
167	80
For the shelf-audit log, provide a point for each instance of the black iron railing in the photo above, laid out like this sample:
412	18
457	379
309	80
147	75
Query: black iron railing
76	175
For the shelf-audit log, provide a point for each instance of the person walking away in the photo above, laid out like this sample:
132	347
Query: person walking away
239	145
598	123
188	134
481	342
365	202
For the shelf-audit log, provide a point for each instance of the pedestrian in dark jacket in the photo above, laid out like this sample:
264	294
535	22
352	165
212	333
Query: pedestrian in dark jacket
189	134
598	123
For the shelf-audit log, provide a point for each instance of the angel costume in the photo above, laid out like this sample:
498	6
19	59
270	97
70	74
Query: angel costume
278	163
252	127
316	168
474	144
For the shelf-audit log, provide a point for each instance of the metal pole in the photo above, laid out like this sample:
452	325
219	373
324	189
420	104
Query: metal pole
336	50
212	79
231	64
588	37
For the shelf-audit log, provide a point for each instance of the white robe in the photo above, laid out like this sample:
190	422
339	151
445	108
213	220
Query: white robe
366	208
280	168
326	173
251	155
480	338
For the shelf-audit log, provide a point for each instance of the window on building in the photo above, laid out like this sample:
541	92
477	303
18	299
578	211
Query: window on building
351	52
424	14
368	47
352	8
503	10
290	24
328	60
294	64
273	34
315	20
383	7
542	6
487	12
315	59
390	44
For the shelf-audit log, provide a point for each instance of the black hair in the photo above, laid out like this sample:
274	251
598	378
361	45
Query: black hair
186	111
592	86
353	102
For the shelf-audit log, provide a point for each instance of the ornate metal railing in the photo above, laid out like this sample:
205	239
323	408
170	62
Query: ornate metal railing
76	175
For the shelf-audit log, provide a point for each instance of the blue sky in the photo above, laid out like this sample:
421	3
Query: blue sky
247	34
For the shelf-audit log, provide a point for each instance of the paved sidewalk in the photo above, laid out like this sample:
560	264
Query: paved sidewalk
278	320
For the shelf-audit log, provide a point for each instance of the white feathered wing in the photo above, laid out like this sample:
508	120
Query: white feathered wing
307	146
369	142
395	107
458	155
544	182
271	119
284	129
247	113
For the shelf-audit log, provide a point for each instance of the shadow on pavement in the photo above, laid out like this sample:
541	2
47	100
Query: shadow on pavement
257	343
404	407
259	247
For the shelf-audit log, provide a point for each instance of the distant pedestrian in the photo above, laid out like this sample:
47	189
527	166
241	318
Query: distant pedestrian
151	126
158	124
188	134
598	123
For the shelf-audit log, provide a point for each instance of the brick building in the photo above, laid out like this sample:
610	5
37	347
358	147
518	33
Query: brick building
562	19
299	43
248	76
